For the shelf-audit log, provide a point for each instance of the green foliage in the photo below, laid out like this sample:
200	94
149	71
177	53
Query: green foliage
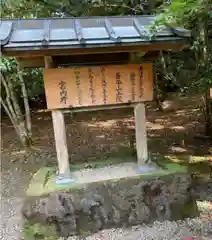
76	8
8	67
33	77
197	62
187	13
34	83
195	15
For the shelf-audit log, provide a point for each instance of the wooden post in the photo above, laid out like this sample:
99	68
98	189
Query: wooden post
60	139
60	142
141	136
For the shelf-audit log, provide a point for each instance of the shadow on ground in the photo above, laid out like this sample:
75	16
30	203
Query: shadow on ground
96	135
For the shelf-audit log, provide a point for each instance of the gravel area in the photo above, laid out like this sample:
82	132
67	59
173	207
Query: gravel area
11	203
15	176
190	228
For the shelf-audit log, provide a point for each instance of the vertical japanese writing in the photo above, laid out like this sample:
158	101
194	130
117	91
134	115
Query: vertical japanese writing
78	84
91	85
104	86
141	82
119	90
132	79
63	92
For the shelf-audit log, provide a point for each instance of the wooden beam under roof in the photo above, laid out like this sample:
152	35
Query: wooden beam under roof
36	58
62	51
89	59
33	62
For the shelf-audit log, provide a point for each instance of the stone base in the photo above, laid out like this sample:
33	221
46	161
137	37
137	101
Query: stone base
83	208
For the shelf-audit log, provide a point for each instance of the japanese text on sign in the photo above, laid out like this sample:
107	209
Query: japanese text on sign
104	86
132	78
141	81
63	92
119	90
91	82
77	76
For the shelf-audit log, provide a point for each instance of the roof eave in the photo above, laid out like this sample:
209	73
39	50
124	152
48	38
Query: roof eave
177	43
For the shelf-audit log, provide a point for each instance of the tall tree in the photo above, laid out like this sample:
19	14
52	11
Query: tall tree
196	15
11	79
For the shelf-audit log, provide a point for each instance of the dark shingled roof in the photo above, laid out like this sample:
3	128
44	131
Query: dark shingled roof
68	33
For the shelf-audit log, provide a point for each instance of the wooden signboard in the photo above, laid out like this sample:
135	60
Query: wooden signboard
98	85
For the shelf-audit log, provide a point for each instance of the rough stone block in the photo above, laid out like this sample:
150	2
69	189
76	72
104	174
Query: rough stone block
87	208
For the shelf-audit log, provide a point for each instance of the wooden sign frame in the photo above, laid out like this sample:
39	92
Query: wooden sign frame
104	85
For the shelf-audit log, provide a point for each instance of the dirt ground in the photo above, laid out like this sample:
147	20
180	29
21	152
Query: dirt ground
94	136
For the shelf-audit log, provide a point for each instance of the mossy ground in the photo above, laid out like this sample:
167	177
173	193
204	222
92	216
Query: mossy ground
43	181
39	231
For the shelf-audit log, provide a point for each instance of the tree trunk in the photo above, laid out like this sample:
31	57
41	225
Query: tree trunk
27	108
12	108
208	114
15	125
161	95
208	100
18	125
157	92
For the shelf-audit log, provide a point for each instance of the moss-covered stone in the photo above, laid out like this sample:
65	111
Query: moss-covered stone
39	231
185	210
83	208
43	181
133	200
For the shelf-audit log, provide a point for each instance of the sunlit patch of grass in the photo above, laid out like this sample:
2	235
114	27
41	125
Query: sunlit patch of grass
15	153
188	158
105	124
178	149
154	126
178	128
178	159
43	110
198	159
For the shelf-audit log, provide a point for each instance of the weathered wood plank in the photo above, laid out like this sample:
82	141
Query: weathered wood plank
60	136
98	108
141	135
48	62
98	85
32	62
61	143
